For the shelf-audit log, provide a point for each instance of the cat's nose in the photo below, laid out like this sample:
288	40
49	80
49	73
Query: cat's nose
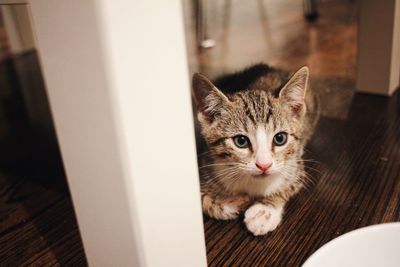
264	166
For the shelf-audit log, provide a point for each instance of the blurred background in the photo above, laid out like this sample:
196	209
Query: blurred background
280	34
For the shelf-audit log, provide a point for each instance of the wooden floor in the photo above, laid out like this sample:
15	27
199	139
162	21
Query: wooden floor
356	180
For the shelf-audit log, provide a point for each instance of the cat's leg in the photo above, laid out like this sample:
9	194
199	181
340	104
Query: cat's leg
224	208
263	217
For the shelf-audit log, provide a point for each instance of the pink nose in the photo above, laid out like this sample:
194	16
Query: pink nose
264	166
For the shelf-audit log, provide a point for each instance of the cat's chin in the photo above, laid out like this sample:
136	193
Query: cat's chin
260	175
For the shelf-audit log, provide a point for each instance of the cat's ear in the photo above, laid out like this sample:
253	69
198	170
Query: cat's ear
209	99
293	93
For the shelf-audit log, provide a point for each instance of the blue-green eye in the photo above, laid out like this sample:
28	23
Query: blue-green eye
280	139
241	141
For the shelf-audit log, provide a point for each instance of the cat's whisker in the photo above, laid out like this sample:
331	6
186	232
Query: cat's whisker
233	173
216	170
307	161
233	179
312	169
217	164
304	177
223	172
304	160
304	165
310	164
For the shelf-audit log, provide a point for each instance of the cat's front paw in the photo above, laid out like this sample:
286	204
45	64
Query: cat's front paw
261	219
227	208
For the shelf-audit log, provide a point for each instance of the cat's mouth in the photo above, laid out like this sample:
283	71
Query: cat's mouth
261	175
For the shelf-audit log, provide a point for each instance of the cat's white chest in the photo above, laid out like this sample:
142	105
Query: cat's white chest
256	187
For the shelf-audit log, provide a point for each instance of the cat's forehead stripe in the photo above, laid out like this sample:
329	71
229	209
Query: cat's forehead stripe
257	107
250	112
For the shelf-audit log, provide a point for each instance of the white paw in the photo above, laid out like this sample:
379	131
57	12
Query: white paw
228	212
261	219
223	209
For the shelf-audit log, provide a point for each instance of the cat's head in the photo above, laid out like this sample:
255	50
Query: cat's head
253	131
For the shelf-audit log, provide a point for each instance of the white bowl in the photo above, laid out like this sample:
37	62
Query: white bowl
372	246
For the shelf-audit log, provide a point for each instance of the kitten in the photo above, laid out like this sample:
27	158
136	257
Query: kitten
255	125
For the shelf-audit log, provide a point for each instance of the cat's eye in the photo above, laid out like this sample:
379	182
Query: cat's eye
241	141
280	139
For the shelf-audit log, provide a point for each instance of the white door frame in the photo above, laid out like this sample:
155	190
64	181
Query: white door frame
117	80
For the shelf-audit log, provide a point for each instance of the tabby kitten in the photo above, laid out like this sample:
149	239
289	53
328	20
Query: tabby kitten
255	125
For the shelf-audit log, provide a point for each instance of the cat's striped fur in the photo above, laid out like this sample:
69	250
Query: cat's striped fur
257	103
